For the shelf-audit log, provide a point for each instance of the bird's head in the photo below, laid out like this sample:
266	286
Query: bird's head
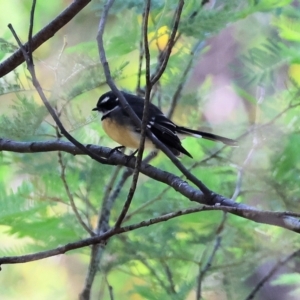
106	103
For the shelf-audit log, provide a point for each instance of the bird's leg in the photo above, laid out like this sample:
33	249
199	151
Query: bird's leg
134	153
130	156
119	148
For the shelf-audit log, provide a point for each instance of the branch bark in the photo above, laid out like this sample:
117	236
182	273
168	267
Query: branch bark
108	234
287	220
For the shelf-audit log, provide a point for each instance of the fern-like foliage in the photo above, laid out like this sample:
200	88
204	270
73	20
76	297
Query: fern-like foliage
262	63
25	121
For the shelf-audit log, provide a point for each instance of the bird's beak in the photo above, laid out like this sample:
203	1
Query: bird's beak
95	109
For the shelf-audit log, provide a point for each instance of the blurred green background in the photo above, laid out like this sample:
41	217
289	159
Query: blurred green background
242	82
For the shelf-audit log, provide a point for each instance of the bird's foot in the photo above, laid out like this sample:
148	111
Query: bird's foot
130	156
119	148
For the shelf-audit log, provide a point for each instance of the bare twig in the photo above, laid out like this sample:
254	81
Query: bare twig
30	32
202	271
169	276
167	52
131	113
265	216
49	107
84	198
146	47
141	57
129	110
29	60
70	196
110	290
107	201
96	254
144	122
288	220
110	82
146	204
126	174
103	226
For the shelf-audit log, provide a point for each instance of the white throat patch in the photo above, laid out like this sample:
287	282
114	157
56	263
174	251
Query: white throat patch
109	111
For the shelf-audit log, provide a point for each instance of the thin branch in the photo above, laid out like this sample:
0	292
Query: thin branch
167	52
144	205
96	254
70	196
146	46
106	211
270	274
141	57
115	231
126	174
80	195
202	271
288	220
253	128
30	32
48	106
117	190
123	101
110	290
273	120
143	125
131	113
102	226
169	276
107	201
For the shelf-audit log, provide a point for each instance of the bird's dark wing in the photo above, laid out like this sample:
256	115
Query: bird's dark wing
169	138
163	128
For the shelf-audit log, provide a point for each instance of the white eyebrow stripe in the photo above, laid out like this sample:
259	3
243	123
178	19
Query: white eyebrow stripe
105	99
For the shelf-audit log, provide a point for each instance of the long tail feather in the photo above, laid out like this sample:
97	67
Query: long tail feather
207	136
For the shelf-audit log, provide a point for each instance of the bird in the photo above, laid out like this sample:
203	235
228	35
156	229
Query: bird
119	126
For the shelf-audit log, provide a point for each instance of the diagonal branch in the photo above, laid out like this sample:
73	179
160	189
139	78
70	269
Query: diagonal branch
70	196
44	99
115	231
131	113
43	35
288	220
167	52
143	125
